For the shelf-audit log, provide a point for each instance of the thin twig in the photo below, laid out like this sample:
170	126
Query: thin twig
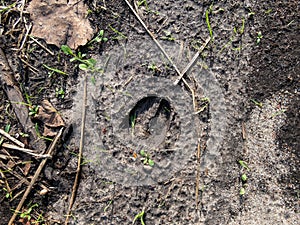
128	81
35	177
3	157
22	179
28	28
35	70
244	133
198	174
25	150
22	8
180	74
8	136
153	38
78	171
36	41
191	63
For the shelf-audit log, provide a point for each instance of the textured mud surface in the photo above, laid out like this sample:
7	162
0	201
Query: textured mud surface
249	72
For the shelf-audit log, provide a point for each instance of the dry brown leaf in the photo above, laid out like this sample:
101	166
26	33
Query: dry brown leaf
49	115
49	132
50	118
59	22
26	168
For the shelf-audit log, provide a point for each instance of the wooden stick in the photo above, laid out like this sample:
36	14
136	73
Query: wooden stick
28	28
35	177
36	41
244	133
198	174
25	150
180	74
191	63
35	70
153	38
8	136
78	171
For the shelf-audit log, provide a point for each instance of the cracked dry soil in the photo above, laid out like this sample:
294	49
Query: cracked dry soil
266	137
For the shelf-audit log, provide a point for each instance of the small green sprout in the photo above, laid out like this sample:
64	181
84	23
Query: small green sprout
259	104
139	216
53	70
120	35
36	127
152	67
146	158
244	177
107	206
33	110
242	191
207	12
67	50
268	11
59	92
250	14
85	160
150	162
278	113
8	193
99	38
39	220
242	28
85	64
143	153
204	104
132	122
24	135
27	213
168	36
243	164
259	37
143	2
205	100
7	8
6	129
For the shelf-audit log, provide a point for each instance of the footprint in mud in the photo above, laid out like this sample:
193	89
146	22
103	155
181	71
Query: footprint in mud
157	119
130	114
150	120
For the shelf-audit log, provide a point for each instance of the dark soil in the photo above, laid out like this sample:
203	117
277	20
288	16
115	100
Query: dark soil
253	85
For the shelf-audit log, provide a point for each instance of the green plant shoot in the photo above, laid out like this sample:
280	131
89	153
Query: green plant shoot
242	191
244	177
139	216
207	12
85	64
244	164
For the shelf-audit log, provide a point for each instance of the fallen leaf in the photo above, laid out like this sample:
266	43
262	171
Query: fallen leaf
50	118
26	168
60	22
49	132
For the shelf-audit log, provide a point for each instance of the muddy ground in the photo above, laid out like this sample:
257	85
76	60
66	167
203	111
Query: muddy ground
235	161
